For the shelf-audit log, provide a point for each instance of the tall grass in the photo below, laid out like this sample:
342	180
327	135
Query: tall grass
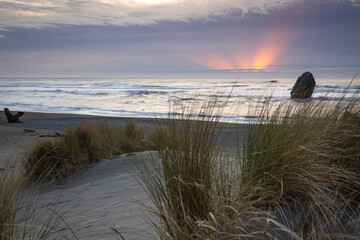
297	177
304	163
187	182
79	147
21	217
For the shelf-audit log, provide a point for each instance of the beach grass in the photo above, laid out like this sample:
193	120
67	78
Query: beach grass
187	183
301	161
296	177
21	215
81	146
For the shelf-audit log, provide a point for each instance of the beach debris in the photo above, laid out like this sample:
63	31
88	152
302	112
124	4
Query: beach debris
12	118
34	133
29	130
55	134
304	86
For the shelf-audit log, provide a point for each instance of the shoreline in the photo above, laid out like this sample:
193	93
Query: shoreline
16	138
60	121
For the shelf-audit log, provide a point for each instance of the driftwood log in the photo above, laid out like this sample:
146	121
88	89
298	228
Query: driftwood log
12	118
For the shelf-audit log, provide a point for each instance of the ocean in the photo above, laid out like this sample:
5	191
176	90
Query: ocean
156	97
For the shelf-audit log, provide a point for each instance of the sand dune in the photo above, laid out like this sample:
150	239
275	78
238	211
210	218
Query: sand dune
102	196
99	197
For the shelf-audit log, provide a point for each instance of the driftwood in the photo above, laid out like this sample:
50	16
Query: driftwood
56	134
34	133
13	118
29	130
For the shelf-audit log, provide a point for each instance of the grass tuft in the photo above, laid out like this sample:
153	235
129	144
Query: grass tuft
297	176
303	164
21	216
182	186
79	147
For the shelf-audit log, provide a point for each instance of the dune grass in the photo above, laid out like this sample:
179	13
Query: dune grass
21	216
303	163
79	147
188	181
297	177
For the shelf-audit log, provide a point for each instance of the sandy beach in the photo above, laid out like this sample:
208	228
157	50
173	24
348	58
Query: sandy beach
15	138
104	195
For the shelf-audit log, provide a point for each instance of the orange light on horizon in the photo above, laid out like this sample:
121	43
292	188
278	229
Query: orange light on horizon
258	56
212	61
253	57
268	52
258	60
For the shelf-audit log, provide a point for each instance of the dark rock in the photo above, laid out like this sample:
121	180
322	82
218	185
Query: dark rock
273	81
12	118
304	86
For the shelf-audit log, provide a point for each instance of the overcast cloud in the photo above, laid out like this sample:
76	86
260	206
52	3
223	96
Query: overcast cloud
40	13
112	37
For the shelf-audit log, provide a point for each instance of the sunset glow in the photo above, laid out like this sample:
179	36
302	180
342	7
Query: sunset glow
253	57
212	61
256	60
266	56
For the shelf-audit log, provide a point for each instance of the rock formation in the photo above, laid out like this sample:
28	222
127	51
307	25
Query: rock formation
12	118
304	86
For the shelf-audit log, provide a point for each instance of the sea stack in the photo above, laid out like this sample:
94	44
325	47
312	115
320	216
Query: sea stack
304	86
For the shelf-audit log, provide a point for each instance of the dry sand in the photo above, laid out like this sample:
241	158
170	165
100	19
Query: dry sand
104	195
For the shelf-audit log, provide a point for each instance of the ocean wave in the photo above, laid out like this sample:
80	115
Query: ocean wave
21	90
87	93
336	90
54	91
145	92
142	97
336	99
234	85
339	86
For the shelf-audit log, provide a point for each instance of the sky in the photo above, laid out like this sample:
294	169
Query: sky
179	38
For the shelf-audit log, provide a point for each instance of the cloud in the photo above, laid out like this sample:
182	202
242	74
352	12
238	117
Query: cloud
45	13
355	2
30	13
40	13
